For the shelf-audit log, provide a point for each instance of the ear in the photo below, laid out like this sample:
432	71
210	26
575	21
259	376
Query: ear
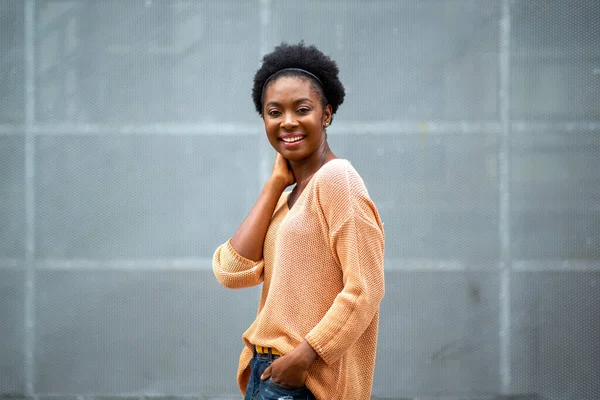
327	114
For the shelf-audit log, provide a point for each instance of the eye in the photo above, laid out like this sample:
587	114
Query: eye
303	110
274	113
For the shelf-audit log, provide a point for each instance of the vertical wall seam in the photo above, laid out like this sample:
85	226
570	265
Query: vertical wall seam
264	148
504	199
29	345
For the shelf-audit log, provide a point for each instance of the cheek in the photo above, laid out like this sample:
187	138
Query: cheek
272	131
270	127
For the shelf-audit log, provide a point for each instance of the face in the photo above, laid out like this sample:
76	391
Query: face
295	118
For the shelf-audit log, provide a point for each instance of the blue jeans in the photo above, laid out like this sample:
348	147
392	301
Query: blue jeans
268	389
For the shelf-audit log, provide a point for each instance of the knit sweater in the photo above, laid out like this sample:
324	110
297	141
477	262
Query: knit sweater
323	281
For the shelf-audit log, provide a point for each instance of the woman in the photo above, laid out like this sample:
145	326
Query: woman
317	250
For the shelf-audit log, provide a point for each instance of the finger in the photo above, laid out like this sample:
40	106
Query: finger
266	374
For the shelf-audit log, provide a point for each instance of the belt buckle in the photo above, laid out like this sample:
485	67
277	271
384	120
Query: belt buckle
267	351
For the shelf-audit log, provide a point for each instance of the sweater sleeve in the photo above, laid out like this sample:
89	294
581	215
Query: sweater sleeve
357	240
234	271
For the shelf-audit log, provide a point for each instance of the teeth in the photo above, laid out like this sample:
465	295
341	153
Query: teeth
292	140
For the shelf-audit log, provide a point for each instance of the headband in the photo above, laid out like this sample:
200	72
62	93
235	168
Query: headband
292	69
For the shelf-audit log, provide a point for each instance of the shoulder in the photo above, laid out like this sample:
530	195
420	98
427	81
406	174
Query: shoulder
282	202
339	186
340	177
283	198
342	195
335	166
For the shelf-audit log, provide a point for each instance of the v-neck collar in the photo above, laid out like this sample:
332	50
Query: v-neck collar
310	181
287	199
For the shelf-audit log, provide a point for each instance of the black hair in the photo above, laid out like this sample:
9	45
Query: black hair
308	58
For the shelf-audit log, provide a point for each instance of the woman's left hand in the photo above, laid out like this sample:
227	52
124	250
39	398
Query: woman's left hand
291	370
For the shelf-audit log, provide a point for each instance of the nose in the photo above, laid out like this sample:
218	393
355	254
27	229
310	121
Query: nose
289	121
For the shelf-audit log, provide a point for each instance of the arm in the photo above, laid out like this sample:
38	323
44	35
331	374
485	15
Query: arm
357	240
239	262
249	239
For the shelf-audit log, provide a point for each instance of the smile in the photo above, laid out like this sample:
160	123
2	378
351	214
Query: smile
292	139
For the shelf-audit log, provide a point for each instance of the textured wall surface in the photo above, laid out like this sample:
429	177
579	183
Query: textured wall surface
130	149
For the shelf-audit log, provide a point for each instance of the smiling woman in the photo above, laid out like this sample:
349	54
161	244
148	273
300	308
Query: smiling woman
317	250
295	123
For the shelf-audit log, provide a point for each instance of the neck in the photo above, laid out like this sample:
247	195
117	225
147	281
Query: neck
303	170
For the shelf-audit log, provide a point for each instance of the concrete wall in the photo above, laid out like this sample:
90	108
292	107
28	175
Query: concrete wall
129	149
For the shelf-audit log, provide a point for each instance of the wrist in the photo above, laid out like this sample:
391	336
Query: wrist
306	354
276	184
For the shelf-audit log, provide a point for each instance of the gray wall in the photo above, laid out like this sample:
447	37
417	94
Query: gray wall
129	150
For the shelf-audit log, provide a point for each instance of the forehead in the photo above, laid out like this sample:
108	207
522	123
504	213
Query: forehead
290	88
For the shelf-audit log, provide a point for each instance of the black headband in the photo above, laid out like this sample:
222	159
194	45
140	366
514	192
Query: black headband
292	69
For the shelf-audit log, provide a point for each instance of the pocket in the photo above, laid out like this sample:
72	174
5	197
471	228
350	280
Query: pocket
271	390
284	387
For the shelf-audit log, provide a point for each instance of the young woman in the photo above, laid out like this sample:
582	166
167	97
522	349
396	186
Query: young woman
317	250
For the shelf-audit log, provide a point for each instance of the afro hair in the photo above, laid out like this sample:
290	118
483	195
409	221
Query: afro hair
308	58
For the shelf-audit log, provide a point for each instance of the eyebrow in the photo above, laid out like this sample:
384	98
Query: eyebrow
276	103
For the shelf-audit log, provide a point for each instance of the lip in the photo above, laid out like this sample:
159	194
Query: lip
290	135
293	144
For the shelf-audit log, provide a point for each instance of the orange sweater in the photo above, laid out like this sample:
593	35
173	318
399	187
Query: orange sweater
322	275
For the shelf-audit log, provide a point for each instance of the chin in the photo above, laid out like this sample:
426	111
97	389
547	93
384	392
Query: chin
293	155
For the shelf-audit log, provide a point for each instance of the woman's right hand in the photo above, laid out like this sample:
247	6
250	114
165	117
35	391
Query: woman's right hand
282	171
